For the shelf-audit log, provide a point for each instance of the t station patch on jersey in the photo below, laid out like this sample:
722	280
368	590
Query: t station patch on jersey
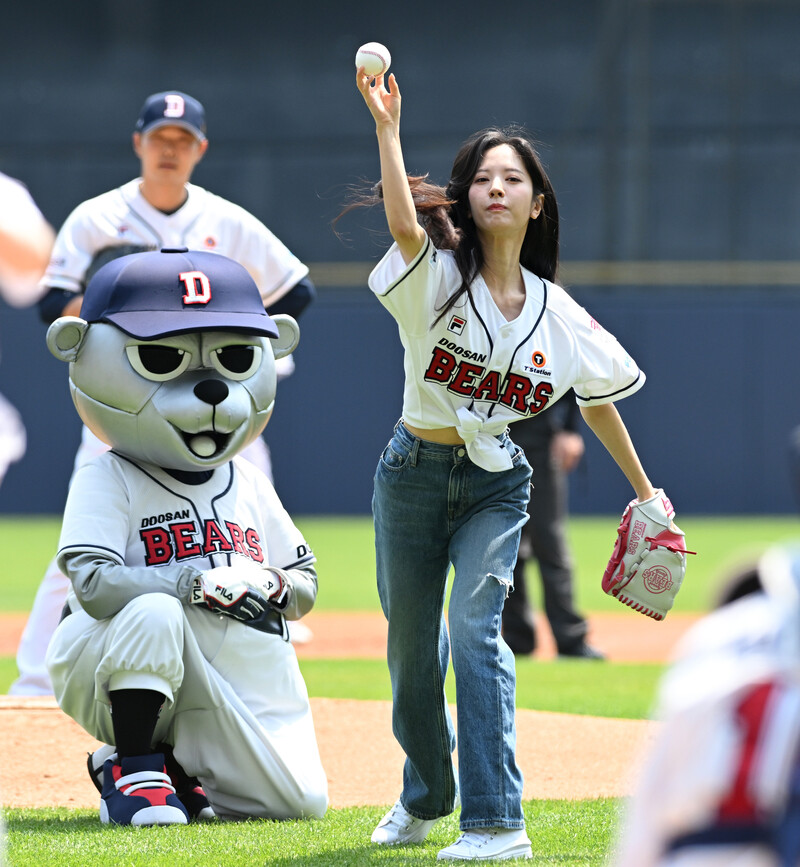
456	324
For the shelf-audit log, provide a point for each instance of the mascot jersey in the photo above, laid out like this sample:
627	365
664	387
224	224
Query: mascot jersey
237	710
137	515
204	222
476	371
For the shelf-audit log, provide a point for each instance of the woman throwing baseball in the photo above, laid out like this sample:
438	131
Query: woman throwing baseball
488	339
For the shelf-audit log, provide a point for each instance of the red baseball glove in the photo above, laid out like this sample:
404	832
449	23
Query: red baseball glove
647	566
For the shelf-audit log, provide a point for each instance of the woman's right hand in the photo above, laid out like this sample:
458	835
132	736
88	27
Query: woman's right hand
383	104
401	214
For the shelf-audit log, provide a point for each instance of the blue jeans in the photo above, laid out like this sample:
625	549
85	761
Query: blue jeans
432	508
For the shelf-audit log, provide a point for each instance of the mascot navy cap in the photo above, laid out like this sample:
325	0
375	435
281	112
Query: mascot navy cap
150	295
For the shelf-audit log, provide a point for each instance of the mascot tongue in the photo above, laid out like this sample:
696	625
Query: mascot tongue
202	445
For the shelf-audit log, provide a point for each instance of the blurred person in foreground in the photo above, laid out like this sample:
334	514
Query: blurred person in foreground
721	782
26	239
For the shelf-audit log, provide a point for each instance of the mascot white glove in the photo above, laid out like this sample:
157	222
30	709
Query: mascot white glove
244	594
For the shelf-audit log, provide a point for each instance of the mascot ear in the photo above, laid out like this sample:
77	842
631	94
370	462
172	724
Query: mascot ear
288	335
65	336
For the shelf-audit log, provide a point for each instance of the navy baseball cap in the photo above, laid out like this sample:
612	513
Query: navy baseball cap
175	291
172	108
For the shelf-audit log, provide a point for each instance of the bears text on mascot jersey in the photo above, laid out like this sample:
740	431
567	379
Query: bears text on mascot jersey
184	565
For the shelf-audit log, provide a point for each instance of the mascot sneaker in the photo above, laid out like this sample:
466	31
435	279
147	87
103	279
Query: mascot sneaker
196	804
399	826
95	763
488	844
138	791
193	797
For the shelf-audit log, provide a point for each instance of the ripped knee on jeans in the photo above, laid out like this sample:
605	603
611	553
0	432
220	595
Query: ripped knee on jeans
506	583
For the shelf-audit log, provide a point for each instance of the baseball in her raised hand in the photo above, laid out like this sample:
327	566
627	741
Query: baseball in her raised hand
374	57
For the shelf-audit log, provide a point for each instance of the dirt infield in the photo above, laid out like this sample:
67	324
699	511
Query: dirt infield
623	636
562	756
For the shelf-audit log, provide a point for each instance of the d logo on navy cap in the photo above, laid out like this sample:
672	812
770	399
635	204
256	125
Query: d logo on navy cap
172	108
150	295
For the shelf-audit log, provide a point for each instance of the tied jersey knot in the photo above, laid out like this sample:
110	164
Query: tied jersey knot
480	437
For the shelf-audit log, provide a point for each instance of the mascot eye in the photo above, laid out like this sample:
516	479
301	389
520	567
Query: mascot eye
158	363
238	361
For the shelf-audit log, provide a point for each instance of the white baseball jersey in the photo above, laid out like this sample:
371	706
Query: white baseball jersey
476	371
143	519
204	222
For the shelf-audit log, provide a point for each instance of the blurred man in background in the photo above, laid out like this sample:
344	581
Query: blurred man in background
553	446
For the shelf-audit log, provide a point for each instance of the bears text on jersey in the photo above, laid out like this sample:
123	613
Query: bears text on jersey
474	381
186	540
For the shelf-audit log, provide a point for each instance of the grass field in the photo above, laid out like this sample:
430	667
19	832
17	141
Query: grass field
347	570
562	832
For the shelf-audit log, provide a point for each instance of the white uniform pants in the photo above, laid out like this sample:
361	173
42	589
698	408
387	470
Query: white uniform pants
52	593
236	711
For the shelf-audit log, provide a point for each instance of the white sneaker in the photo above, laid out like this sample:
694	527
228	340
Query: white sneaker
488	844
398	826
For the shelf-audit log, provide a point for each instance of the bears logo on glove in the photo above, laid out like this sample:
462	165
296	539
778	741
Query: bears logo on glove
648	563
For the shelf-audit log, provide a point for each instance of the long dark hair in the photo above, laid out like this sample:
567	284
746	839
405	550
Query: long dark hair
444	211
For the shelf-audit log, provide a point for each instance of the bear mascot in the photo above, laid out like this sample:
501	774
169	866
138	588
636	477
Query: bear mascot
184	566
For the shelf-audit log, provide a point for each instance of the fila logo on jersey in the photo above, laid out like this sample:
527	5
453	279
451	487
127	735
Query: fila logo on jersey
456	324
472	380
197	288
175	105
185	540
